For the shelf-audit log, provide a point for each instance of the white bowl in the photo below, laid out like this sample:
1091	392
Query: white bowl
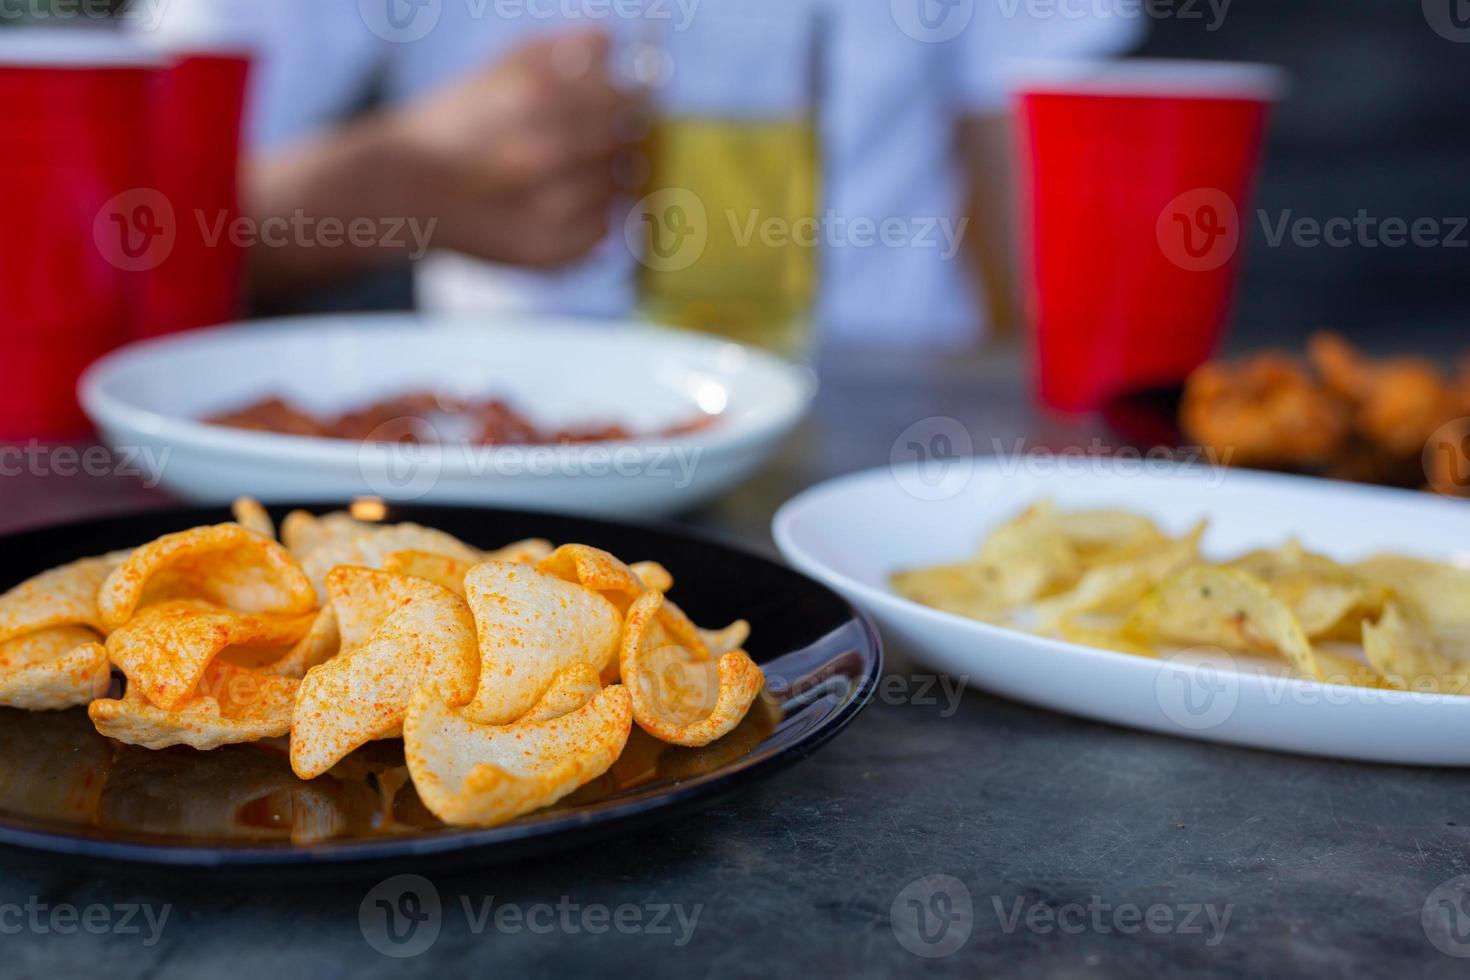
852	533
147	400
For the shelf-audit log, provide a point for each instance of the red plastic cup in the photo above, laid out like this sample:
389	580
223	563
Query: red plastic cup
1135	176
103	148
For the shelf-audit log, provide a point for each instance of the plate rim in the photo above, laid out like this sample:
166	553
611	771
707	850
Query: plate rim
605	817
867	596
109	411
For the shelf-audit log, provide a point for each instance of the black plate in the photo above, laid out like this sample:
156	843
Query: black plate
66	790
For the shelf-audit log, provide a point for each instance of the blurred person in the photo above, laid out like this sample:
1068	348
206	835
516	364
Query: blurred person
502	121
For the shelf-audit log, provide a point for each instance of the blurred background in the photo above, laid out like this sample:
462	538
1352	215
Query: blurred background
1376	120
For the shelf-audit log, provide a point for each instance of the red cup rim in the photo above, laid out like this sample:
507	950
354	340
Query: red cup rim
1148	78
79	48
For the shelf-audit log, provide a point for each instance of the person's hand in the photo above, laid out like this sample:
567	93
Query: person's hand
516	163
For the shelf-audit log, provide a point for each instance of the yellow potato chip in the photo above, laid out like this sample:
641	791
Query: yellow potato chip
1441	593
681	695
1405	651
320	644
230	705
532	625
594	569
482	775
54	668
397	634
1115	585
224	564
571	689
250	515
1224	607
440	569
1330	600
63	596
165	648
655	577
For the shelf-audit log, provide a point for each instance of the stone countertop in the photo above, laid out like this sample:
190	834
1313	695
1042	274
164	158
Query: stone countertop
1034	843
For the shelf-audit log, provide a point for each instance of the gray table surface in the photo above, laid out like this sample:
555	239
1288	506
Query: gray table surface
1067	848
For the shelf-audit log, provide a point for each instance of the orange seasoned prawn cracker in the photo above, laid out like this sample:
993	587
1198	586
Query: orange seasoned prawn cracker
397	634
62	596
682	695
224	564
230	705
482	775
532	625
54	668
165	649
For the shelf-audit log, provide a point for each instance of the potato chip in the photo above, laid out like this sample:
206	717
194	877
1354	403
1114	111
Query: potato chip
1115	585
683	696
482	775
532	625
250	515
224	564
323	543
440	569
571	689
594	569
54	668
166	647
1224	607
63	596
1329	600
1405	651
1440	592
230	705
655	577
397	634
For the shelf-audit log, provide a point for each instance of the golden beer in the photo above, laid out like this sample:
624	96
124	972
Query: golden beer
730	232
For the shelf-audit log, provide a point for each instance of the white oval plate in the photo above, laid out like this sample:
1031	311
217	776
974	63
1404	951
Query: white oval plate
148	398
851	533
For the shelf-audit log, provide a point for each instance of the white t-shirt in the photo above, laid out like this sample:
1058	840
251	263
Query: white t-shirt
898	72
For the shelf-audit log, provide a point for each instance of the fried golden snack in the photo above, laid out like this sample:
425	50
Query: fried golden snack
681	694
532	625
54	668
225	565
398	633
1398	403
250	515
62	596
1264	411
230	705
165	649
482	775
